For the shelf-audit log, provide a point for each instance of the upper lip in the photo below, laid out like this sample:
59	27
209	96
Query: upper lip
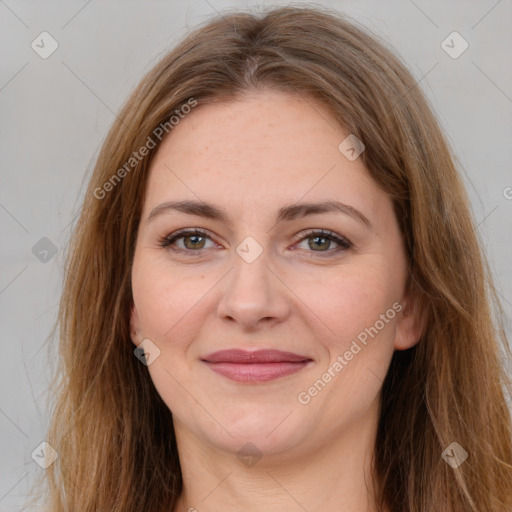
258	356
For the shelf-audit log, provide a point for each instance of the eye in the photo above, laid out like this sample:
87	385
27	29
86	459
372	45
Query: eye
193	240
322	240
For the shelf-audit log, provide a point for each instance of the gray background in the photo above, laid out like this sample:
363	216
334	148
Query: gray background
55	113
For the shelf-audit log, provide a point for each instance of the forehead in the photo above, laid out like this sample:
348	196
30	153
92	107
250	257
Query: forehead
264	149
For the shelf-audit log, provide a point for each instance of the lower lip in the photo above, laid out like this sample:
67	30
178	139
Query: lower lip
256	372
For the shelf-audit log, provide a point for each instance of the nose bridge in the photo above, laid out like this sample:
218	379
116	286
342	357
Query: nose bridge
251	291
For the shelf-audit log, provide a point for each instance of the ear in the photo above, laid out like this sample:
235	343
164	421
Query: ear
135	331
410	323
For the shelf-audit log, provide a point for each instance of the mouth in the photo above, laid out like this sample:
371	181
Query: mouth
257	366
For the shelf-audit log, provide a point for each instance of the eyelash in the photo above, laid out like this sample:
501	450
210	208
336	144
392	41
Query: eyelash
344	244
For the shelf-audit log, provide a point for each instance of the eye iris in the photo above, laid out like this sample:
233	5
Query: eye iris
194	245
325	245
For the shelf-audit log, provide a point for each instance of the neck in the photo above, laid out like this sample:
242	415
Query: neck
334	475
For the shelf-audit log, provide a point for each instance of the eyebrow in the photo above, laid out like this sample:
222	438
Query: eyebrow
287	213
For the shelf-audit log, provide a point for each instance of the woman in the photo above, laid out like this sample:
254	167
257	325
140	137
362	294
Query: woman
275	298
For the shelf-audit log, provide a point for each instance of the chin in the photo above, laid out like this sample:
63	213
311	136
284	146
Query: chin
272	432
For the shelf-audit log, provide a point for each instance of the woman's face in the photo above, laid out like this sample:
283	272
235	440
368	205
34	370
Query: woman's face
308	301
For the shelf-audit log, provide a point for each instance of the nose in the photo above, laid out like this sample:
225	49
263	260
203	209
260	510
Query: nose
253	295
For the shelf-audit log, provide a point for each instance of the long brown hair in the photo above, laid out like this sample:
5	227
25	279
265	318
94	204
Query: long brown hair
114	434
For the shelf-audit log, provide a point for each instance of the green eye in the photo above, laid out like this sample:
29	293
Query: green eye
323	244
196	241
193	240
320	241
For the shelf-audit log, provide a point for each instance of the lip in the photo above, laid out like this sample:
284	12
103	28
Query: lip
255	366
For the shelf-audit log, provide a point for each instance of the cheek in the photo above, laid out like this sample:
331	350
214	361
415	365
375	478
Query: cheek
344	302
168	304
166	300
358	311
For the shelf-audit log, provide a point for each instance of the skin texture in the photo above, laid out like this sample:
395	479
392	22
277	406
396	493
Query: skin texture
251	157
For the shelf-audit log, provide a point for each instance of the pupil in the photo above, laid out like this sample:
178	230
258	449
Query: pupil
195	240
316	238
